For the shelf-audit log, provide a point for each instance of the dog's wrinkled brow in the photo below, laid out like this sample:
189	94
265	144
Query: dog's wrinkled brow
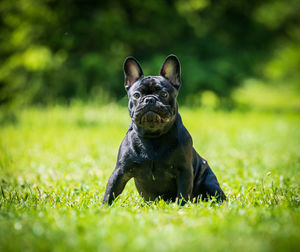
149	84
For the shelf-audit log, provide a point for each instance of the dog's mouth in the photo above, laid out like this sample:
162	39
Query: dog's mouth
151	117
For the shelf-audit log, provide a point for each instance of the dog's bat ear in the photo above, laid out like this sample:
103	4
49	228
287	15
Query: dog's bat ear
171	70
132	71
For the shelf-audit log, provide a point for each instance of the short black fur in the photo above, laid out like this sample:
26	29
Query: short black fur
157	150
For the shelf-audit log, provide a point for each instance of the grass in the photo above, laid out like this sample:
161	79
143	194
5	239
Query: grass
55	162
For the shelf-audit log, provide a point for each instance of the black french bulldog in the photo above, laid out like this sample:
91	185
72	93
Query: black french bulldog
157	150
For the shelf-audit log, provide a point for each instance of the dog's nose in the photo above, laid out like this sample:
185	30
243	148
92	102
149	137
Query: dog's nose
149	100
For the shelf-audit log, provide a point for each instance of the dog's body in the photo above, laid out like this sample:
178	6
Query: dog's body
157	150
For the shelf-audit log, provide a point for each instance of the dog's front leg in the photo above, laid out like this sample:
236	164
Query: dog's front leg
184	185
115	184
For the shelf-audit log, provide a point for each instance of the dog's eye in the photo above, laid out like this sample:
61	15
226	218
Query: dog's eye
136	95
164	94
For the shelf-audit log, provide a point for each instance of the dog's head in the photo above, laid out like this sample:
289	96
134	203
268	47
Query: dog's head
152	99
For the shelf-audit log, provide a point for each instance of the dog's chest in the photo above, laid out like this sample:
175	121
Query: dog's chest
155	159
155	170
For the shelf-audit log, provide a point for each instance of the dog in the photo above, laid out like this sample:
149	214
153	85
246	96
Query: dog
157	150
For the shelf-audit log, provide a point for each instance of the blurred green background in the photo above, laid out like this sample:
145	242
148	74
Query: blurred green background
63	115
60	51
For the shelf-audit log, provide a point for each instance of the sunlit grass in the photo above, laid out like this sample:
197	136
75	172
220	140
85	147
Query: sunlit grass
257	95
55	162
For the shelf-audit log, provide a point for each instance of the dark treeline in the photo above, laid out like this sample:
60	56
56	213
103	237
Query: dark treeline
58	50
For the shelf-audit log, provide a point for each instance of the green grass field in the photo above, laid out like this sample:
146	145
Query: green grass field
55	162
